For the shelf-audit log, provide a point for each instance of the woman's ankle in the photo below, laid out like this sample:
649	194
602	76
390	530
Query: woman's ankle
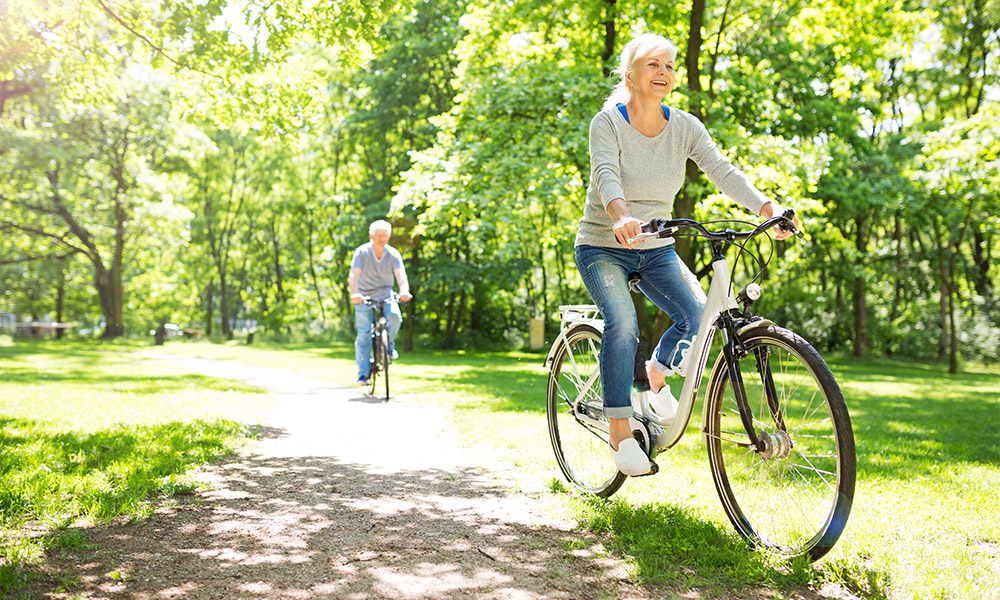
656	379
618	431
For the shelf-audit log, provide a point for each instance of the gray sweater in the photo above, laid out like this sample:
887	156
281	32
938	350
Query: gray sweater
648	173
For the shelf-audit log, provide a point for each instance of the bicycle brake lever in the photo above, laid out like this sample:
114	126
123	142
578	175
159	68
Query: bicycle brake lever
655	228
642	236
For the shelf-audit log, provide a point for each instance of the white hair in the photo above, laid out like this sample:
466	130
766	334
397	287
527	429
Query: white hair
638	48
380	224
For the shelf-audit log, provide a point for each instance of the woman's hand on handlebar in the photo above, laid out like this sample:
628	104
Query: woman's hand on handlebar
768	211
626	227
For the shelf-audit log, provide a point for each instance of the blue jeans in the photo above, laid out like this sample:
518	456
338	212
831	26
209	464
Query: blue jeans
364	316
605	272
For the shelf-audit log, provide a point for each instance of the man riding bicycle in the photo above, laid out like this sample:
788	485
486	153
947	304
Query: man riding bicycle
372	270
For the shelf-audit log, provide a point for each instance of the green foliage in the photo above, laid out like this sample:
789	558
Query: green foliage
224	161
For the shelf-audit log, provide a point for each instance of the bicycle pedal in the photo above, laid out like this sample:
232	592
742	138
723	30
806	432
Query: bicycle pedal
652	471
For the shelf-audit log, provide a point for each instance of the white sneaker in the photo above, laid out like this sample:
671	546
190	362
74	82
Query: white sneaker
663	402
630	459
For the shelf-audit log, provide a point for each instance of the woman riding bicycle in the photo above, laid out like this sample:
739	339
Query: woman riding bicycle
639	148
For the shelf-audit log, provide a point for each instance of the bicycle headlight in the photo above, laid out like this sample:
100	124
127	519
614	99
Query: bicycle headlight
751	293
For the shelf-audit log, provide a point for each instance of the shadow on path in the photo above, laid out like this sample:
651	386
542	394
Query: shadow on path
312	527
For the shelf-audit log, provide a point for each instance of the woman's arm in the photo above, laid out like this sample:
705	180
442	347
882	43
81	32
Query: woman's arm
727	177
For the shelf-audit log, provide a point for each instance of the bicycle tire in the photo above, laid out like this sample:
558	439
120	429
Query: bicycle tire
376	366
794	498
581	448
386	359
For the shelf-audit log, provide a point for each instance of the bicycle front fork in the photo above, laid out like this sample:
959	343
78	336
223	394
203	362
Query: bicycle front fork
733	350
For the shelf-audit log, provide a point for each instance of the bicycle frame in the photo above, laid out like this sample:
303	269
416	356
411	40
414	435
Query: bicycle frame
721	298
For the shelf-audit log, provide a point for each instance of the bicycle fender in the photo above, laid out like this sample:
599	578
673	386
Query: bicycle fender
560	340
761	322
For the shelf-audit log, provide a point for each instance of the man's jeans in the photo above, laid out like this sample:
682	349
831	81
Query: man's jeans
605	272
364	316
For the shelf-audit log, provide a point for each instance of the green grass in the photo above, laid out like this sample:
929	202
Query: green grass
91	433
923	524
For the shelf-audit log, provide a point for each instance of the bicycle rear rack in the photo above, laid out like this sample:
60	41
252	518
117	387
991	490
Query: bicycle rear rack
570	314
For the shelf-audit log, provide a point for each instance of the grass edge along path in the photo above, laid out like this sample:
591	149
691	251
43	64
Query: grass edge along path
89	435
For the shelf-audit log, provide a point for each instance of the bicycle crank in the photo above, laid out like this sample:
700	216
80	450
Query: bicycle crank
646	432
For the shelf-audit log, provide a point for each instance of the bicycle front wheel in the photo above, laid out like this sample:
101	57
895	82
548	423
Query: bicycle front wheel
792	496
385	359
574	407
376	364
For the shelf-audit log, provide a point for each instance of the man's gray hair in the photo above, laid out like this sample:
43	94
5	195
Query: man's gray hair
380	224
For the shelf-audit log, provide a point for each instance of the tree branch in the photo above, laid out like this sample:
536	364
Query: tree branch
37	208
10	89
25	259
159	50
42	233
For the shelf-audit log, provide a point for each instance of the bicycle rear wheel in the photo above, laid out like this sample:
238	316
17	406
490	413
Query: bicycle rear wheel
574	407
385	359
793	496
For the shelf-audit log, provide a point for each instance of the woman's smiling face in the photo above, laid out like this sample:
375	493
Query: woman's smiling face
653	75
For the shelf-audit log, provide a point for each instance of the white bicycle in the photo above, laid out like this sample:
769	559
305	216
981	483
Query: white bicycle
779	437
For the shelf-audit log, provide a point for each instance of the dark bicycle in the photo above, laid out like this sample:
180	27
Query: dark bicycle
381	354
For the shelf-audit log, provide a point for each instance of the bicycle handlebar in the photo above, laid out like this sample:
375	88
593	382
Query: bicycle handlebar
661	228
368	299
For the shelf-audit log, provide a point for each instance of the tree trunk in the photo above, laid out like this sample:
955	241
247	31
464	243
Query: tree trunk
897	288
645	330
981	258
456	309
210	300
411	309
953	338
110	297
859	297
60	295
860	317
838	309
944	295
684	202
312	266
608	52
227	330
692	59
544	292
276	249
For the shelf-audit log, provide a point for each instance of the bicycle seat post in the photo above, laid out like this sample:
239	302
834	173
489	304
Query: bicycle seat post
640	381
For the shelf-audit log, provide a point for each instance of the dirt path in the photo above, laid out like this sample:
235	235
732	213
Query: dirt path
344	497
